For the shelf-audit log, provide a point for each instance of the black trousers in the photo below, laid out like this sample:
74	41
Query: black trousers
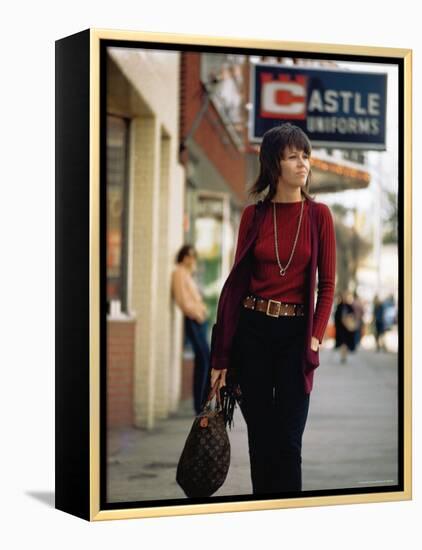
268	352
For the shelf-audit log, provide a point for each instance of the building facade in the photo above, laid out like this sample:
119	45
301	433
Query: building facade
145	190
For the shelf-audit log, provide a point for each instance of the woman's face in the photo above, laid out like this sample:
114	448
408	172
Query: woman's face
295	166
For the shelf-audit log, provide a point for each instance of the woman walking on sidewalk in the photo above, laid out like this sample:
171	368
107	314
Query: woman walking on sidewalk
265	343
187	296
346	325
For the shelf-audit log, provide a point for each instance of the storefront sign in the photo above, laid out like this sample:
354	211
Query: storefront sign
336	108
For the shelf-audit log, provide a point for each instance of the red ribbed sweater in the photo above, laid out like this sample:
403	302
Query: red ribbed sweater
266	280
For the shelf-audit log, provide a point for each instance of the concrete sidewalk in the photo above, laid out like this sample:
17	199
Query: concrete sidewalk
350	439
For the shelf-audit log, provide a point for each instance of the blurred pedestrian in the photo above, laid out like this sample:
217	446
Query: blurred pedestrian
390	312
359	312
188	297
379	323
346	325
268	329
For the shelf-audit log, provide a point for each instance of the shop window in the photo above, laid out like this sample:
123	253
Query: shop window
222	75
117	213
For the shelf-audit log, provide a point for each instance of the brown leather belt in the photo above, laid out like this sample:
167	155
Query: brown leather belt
273	308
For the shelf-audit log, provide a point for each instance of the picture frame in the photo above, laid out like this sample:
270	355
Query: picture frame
125	104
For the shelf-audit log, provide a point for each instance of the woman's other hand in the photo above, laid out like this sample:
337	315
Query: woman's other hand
218	374
314	344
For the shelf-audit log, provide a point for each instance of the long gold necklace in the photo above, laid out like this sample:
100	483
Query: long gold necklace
284	269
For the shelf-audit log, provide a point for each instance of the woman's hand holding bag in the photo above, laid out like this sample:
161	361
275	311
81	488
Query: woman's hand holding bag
219	375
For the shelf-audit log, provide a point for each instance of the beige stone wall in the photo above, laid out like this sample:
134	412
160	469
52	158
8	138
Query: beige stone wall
144	86
154	75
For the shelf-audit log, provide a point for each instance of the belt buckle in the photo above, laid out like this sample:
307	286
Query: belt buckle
268	308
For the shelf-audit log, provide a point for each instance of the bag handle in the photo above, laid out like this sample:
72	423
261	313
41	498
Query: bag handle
216	392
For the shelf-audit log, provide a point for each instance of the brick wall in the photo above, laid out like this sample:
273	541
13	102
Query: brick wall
120	359
187	379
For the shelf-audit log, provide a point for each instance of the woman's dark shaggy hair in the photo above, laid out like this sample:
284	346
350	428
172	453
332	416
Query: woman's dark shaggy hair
273	145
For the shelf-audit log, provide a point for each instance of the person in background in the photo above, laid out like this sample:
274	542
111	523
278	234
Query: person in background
188	297
379	323
390	312
345	323
359	312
